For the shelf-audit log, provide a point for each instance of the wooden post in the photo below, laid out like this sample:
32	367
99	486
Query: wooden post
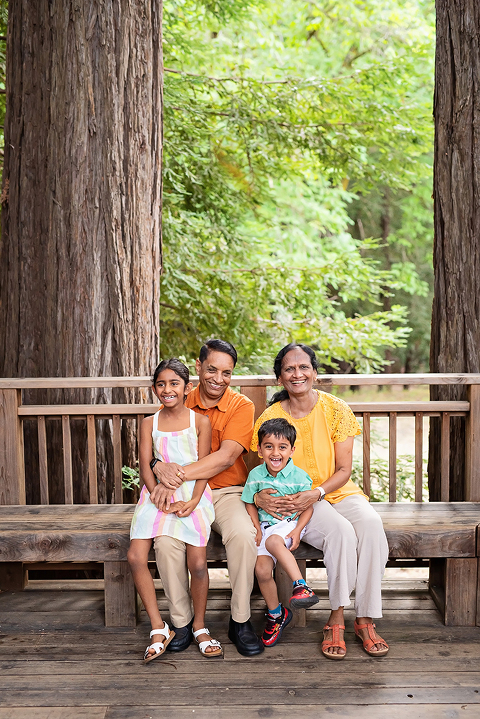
472	446
284	587
258	395
13	577
453	586
12	462
120	595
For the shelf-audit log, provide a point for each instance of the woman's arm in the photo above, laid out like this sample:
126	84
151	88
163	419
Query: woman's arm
302	500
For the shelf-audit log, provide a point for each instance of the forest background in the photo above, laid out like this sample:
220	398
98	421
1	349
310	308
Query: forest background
297	179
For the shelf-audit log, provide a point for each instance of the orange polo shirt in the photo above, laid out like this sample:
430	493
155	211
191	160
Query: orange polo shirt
231	418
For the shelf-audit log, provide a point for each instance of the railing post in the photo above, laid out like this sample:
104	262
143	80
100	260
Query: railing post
472	446
12	462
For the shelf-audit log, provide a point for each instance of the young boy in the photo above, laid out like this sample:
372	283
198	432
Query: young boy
276	539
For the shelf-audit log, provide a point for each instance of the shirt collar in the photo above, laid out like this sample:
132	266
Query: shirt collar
222	403
283	472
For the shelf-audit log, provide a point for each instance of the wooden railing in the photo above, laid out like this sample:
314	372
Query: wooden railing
13	413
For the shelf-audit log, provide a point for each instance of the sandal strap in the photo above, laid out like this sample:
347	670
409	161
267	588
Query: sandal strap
157	648
373	639
208	643
335	641
200	631
165	632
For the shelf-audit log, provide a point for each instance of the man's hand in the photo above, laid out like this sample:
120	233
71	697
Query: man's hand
170	474
160	497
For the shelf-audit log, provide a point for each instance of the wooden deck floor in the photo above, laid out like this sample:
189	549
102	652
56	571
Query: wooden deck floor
57	660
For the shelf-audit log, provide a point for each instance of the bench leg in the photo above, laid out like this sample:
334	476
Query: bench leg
453	586
284	587
120	595
13	577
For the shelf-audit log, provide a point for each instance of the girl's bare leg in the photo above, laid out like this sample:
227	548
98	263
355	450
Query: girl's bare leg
197	566
138	560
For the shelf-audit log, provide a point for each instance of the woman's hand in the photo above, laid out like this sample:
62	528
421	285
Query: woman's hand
170	474
270	504
281	507
300	501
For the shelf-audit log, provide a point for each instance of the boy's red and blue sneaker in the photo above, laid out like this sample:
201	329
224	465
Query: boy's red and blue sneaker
303	597
275	626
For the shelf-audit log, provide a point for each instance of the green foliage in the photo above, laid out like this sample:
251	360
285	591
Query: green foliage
379	479
130	478
273	110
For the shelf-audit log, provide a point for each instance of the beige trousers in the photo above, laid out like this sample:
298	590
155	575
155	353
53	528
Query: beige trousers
355	551
238	536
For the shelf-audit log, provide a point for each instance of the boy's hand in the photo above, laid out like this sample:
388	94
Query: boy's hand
295	537
187	508
258	537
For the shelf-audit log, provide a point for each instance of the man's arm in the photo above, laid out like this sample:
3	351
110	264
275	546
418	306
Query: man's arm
216	462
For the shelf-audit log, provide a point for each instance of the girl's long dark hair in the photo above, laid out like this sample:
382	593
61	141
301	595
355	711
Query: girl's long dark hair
277	367
176	366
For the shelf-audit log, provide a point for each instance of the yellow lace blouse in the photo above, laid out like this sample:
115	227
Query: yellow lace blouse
330	421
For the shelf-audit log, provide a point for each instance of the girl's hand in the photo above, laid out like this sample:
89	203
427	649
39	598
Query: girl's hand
295	537
187	508
174	507
258	537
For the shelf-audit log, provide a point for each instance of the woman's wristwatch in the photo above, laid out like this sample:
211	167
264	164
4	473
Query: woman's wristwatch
322	493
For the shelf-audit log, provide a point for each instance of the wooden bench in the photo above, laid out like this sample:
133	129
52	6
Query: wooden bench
444	533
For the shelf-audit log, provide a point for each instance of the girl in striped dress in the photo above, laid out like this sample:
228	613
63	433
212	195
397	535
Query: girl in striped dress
173	434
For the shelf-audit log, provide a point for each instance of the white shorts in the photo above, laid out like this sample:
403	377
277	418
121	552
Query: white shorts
282	528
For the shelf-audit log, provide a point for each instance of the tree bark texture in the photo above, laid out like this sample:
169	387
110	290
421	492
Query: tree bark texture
80	254
455	342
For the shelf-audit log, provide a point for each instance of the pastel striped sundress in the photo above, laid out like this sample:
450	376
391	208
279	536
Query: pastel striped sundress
149	522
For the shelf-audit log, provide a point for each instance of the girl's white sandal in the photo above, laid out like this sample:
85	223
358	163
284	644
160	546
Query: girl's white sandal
158	647
208	643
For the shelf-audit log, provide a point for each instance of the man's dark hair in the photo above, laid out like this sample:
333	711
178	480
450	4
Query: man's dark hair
217	346
279	427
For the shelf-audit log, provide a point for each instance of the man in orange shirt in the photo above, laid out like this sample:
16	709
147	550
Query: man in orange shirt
231	416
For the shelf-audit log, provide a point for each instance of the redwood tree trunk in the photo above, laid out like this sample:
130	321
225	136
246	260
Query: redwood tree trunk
455	345
80	255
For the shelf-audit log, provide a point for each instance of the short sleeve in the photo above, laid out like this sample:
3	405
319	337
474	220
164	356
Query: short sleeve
249	491
341	420
240	425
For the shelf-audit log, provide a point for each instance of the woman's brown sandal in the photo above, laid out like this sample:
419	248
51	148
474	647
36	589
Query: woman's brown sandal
335	641
373	638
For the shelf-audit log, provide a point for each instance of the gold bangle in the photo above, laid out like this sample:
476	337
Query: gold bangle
255	499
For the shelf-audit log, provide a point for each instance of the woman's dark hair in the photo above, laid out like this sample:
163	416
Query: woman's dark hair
277	367
217	346
176	366
279	427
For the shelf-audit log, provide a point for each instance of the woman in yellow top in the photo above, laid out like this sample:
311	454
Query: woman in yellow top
344	525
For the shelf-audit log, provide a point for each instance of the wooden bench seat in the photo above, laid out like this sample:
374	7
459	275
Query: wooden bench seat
444	533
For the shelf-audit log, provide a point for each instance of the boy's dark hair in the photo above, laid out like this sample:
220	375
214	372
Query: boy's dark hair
176	366
217	346
277	367
279	427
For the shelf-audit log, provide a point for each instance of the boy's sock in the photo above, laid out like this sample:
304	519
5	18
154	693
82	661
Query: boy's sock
276	613
299	582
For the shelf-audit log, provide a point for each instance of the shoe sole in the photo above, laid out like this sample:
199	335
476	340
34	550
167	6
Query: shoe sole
286	623
303	603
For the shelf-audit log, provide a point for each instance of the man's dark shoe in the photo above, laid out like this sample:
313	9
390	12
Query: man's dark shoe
182	639
244	638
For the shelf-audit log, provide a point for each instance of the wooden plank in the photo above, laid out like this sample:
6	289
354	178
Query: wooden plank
117	459
92	459
120	595
418	456
392	457
107	410
56	712
366	453
258	395
277	711
140	418
445	458
478	592
460	592
249	380
12	462
13	576
67	459
472	446
42	460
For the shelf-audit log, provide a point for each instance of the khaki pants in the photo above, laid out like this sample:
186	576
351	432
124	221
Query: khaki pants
355	551
238	536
